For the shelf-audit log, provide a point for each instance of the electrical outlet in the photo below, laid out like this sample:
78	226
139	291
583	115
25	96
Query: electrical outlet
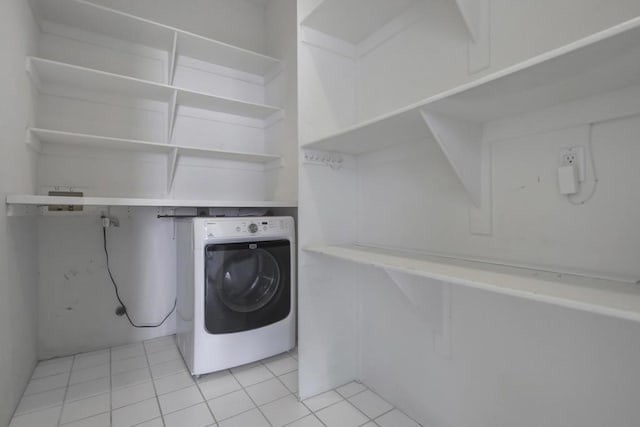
574	156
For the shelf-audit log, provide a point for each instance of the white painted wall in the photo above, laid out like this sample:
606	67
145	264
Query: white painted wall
18	276
76	298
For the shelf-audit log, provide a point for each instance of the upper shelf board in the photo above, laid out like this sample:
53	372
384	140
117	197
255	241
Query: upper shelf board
605	297
90	17
56	73
48	136
602	62
353	20
35	200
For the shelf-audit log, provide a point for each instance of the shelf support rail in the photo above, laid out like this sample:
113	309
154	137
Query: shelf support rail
173	58
171	115
172	162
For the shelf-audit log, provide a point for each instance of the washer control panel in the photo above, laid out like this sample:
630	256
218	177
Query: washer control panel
227	227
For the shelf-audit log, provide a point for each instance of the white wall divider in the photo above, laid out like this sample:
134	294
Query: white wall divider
471	11
442	339
172	163
173	59
461	142
481	217
171	116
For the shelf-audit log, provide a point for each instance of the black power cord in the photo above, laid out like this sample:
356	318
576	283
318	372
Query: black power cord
123	308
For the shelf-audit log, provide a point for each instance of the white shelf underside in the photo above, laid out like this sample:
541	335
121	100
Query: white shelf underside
605	297
98	19
35	200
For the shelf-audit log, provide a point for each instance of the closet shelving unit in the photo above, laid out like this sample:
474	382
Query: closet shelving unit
459	120
86	16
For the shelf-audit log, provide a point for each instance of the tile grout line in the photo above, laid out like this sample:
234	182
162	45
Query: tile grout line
110	389
250	398
153	384
206	402
66	391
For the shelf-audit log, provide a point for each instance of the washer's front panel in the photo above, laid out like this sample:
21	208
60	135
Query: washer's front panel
247	285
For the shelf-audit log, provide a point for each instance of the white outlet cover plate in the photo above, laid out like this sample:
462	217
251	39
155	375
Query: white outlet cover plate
578	151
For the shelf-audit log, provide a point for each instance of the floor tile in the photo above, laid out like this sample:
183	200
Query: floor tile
134	394
127	351
341	414
370	424
56	360
230	404
156	422
91	360
88	389
194	416
290	380
54	367
164	356
217	384
281	364
130	378
159	344
101	420
88	374
323	400
173	382
395	418
46	418
267	391
370	403
73	411
251	418
40	401
180	399
294	353
251	374
167	368
308	421
135	414
47	383
284	411
130	364
350	389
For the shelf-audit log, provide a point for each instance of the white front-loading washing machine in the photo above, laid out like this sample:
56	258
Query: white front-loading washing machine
236	290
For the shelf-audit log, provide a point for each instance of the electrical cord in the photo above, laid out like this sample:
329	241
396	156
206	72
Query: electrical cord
115	287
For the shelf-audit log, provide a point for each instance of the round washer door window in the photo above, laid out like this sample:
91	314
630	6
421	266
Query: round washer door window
250	280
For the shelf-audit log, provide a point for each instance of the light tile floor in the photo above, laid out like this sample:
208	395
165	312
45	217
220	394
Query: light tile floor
147	385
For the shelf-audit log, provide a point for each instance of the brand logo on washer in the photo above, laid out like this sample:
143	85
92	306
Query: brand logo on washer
253	246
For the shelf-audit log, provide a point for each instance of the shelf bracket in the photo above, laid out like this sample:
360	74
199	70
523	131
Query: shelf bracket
171	115
461	142
172	163
173	58
470	156
431	300
476	16
32	141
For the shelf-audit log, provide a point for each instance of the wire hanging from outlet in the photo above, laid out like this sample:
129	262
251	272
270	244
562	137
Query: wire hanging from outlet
122	310
571	197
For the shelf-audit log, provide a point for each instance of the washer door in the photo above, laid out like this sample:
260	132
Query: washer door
247	285
251	279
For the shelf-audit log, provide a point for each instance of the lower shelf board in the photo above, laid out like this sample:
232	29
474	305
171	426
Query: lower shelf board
35	200
606	297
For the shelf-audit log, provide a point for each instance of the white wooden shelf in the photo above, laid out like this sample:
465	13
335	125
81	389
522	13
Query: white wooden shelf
456	118
606	297
35	200
48	72
55	137
36	137
98	19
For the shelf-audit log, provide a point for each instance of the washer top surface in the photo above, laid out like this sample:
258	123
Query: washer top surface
245	227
